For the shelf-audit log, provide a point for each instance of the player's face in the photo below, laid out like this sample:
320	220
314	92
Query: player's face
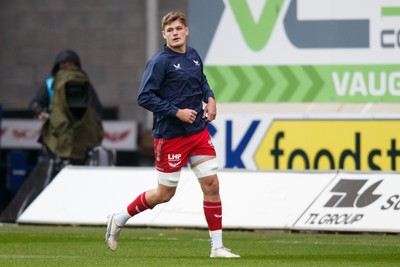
175	35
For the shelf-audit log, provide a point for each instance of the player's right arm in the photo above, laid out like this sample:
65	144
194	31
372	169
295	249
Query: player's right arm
186	115
149	91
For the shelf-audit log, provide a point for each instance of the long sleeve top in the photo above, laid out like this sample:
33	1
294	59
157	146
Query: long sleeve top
173	81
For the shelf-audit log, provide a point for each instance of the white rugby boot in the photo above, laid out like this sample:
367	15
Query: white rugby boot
223	253
113	231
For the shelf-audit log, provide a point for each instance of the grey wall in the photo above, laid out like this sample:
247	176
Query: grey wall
109	36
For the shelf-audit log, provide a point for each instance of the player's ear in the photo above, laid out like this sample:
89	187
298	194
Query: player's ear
163	34
187	31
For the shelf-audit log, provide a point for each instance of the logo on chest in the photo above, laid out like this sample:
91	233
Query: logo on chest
178	66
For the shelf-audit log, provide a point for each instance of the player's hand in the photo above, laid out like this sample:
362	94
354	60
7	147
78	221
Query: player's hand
186	115
210	110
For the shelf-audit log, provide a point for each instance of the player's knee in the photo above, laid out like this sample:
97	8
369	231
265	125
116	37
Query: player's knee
206	168
162	198
162	195
210	185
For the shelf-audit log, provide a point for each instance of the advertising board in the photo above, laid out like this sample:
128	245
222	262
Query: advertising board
356	202
299	50
288	200
298	142
24	134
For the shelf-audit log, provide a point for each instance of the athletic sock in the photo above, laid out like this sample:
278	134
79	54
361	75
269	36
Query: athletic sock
213	214
138	205
122	217
216	239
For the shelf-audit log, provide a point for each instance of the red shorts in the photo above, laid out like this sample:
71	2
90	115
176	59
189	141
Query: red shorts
172	154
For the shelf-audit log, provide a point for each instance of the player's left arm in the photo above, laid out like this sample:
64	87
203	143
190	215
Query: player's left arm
210	110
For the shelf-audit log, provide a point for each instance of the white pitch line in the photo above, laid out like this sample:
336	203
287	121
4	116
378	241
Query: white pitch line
13	256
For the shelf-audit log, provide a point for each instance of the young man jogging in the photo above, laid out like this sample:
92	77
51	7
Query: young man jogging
174	88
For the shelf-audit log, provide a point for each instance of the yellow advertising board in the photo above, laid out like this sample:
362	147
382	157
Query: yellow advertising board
330	144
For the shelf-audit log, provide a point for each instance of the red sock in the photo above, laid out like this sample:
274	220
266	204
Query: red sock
213	213
138	205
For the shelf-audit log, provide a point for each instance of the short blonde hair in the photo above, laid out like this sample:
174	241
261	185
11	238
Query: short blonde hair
171	17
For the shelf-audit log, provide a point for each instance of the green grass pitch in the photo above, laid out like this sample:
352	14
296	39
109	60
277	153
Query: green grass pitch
28	245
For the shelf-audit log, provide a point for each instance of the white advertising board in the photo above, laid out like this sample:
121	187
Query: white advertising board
356	202
320	201
293	32
265	200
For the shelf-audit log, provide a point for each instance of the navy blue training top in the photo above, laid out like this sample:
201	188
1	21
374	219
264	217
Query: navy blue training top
173	81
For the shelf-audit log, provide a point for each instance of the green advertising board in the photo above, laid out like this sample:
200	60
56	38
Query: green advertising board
299	50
